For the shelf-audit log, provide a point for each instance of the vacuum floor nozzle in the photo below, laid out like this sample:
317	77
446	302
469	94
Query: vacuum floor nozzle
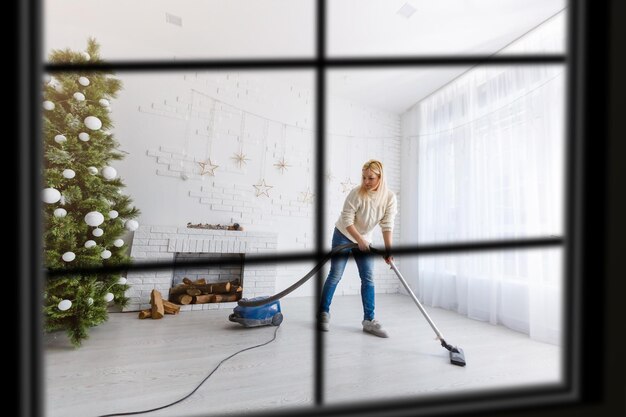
457	357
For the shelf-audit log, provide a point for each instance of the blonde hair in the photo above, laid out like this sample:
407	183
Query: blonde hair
377	168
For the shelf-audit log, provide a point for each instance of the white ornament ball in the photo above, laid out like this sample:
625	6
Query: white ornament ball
79	96
104	102
97	232
51	195
69	173
60	213
65	305
90	244
84	136
106	254
94	218
68	256
85	55
122	281
89	301
131	225
60	139
109	173
108	297
113	214
83	81
48	105
118	243
92	122
92	170
47	78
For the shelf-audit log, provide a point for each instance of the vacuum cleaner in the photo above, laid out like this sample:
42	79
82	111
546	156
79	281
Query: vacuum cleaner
248	307
265	315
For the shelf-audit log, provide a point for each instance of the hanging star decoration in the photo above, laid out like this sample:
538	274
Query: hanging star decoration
207	167
329	176
307	196
240	158
262	188
347	185
282	165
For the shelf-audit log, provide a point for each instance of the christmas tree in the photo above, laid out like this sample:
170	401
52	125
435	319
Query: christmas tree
84	212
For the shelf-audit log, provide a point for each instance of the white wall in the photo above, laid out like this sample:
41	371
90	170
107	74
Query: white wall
163	122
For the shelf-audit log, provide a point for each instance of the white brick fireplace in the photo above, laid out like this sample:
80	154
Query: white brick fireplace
162	243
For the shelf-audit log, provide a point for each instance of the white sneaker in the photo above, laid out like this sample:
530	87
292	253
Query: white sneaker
324	321
374	327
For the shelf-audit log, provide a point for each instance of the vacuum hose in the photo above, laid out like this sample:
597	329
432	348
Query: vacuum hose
248	303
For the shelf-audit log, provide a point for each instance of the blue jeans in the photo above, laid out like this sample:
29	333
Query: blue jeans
338	262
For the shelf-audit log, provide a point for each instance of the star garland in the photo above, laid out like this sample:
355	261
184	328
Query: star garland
262	188
347	185
240	158
207	167
307	196
282	165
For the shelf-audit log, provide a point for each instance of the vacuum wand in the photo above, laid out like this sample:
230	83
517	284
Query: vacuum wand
457	357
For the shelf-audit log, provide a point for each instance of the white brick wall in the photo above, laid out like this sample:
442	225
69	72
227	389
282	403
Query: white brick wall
162	242
163	141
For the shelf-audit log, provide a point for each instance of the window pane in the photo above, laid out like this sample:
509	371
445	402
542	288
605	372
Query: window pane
487	152
182	30
471	153
153	362
503	309
147	165
384	28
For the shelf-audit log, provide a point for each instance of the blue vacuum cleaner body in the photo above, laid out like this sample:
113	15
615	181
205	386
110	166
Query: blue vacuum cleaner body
266	315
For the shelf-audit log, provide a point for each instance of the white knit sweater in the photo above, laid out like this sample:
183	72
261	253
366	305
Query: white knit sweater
365	212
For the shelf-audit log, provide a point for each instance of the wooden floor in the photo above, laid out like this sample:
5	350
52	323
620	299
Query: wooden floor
130	365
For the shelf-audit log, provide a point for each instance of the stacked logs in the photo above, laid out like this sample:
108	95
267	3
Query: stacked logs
160	307
201	292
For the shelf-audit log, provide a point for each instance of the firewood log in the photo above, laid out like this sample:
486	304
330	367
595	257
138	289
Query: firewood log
204	298
184	299
144	314
223	298
220	288
156	300
170	308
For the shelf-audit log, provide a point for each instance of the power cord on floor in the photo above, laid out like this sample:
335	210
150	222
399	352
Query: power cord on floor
129	413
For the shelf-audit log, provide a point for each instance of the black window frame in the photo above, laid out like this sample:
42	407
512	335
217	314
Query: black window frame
583	241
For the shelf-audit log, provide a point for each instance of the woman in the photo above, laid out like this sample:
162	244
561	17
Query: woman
365	206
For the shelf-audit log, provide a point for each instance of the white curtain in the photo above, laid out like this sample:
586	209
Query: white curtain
490	154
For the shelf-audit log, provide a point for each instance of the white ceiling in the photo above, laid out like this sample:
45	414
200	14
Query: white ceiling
138	30
436	28
373	27
393	90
